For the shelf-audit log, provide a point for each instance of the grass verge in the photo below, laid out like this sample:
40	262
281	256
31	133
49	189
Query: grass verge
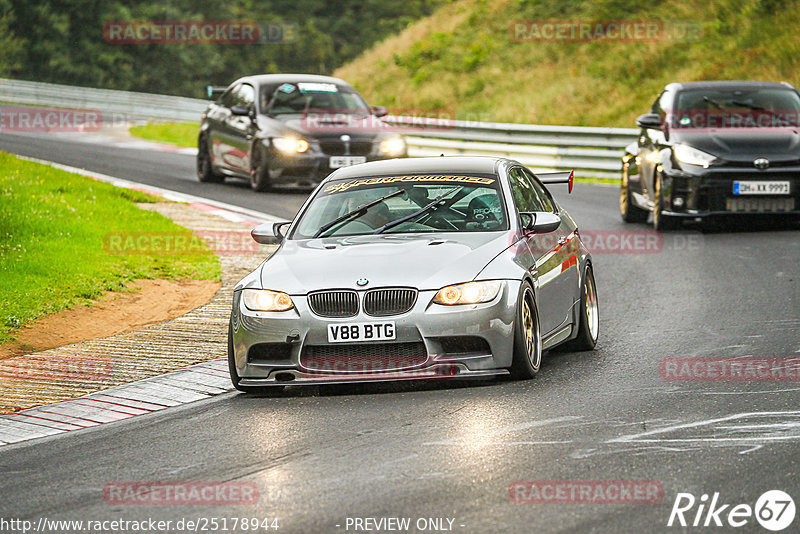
175	133
53	234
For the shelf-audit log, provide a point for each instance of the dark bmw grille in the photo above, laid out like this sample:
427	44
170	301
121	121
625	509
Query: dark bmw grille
383	302
363	358
337	148
334	303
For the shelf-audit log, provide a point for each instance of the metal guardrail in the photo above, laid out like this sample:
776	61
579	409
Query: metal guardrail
590	151
114	105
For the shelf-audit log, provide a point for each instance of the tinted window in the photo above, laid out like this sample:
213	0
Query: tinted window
245	96
542	194
296	98
736	107
228	97
526	196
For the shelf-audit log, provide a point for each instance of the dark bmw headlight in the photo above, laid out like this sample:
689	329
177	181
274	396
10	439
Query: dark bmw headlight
393	146
290	145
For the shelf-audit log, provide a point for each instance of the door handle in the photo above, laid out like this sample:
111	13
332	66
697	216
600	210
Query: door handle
562	240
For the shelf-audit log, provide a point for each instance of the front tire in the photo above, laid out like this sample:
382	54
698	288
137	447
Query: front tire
259	170
662	222
527	337
589	316
205	170
627	209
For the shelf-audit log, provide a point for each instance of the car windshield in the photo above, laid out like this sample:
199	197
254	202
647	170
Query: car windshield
300	97
371	205
736	107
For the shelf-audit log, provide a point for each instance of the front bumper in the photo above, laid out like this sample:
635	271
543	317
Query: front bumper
306	168
274	348
709	192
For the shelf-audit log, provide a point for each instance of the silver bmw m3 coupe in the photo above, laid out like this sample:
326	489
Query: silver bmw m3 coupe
448	267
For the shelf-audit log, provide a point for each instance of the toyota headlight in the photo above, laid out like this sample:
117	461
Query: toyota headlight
266	300
692	156
469	293
393	146
290	145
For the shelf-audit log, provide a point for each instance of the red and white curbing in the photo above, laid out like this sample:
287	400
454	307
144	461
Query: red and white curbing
196	382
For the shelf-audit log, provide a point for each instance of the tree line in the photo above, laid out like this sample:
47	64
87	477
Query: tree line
63	41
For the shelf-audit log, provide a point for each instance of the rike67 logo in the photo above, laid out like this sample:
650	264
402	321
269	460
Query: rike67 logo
774	510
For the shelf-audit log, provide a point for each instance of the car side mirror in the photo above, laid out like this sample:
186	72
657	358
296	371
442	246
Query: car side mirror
379	111
240	111
269	233
540	222
650	121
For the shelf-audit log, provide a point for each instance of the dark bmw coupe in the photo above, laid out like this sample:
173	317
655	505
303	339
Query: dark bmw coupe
290	129
710	149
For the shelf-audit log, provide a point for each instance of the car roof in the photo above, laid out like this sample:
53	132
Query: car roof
263	79
728	84
433	165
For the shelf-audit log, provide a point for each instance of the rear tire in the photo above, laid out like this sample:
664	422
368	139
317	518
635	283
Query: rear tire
259	171
205	170
662	222
589	316
627	209
527	337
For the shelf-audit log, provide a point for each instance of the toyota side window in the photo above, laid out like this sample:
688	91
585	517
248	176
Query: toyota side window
228	97
246	96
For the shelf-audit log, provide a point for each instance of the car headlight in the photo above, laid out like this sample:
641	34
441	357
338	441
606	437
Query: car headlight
394	146
469	293
266	300
692	156
290	145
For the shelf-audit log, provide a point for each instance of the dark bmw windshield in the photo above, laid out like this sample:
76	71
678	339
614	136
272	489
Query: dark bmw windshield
736	107
404	204
289	98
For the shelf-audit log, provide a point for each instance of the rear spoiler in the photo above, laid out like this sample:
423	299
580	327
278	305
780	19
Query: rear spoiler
214	91
565	177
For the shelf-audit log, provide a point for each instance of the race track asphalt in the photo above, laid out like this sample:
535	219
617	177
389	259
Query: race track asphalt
452	450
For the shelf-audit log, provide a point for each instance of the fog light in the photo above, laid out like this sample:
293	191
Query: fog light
678	202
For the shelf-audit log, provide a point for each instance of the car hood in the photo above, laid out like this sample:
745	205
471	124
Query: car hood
779	144
326	125
423	261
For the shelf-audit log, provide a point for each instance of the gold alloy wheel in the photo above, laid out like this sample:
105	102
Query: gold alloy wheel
623	190
533	341
592	312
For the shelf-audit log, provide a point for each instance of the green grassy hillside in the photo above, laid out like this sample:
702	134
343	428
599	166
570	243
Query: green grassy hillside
463	59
